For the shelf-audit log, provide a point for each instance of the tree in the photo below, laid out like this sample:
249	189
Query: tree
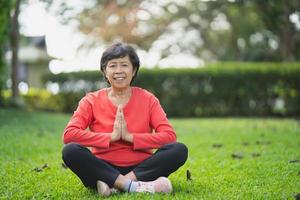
14	36
129	21
246	30
257	30
276	18
14	41
5	7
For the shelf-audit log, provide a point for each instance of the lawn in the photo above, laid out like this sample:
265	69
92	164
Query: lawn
229	158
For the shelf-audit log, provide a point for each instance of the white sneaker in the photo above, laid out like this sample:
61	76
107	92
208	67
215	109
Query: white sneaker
160	185
103	189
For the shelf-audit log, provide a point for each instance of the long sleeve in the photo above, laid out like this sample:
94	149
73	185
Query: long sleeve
76	131
164	132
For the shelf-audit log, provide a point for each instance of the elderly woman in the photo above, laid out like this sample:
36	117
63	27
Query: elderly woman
125	124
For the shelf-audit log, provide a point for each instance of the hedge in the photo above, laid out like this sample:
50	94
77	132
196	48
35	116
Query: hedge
41	99
223	89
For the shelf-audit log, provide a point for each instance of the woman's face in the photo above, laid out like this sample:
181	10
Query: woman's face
119	72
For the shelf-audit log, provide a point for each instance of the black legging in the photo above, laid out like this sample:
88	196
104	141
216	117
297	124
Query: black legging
89	168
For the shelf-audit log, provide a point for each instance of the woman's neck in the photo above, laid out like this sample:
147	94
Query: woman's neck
119	93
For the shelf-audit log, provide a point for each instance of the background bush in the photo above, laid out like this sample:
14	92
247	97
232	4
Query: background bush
41	99
236	89
227	89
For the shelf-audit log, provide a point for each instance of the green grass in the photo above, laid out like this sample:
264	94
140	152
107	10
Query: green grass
32	139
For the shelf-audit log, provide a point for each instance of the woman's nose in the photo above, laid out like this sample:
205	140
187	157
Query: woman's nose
118	68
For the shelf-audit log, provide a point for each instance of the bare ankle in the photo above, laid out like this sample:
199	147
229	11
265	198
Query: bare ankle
122	183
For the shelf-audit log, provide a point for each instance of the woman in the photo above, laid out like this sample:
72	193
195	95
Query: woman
125	124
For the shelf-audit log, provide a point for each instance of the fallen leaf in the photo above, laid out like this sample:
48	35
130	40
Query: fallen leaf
237	156
188	175
267	142
39	169
45	166
263	142
217	145
245	143
256	154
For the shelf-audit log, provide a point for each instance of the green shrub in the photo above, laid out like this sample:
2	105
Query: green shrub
41	99
227	89
249	89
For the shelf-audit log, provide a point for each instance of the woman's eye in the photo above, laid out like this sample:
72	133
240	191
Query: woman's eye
112	65
124	65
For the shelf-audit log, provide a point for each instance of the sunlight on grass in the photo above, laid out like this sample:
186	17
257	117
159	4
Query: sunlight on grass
229	158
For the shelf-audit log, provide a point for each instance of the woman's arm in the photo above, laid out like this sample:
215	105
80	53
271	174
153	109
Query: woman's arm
164	132
76	132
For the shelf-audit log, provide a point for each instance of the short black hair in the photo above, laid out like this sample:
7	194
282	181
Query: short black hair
120	50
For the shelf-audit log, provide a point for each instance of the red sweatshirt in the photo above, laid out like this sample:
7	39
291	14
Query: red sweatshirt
145	118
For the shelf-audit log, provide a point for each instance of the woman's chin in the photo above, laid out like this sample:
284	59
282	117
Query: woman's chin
120	86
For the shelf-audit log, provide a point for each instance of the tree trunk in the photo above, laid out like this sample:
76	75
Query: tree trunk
14	41
286	35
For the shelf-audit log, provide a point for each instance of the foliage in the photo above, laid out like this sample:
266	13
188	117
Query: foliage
255	89
14	46
248	30
256	30
5	7
108	21
267	165
276	16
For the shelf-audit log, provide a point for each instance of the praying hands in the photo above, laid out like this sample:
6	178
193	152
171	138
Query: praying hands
120	128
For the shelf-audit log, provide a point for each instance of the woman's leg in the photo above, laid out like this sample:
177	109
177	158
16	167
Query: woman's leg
88	167
164	161
151	173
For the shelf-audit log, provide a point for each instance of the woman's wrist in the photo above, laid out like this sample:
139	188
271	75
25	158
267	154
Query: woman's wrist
128	137
113	137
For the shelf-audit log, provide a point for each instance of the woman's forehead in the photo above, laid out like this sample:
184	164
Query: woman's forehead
121	59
